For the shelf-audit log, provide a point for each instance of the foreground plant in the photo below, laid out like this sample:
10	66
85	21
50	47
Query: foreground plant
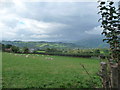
110	22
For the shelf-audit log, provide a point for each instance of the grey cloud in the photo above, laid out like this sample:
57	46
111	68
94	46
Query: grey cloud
79	17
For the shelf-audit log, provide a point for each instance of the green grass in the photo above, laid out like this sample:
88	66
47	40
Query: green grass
0	69
42	45
40	51
38	72
51	45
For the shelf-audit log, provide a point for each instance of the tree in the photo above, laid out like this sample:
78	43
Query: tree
110	22
15	49
26	50
0	46
8	46
51	50
97	51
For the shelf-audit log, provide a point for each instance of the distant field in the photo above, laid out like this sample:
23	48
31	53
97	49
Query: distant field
43	71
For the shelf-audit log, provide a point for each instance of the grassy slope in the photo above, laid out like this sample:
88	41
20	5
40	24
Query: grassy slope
41	45
36	71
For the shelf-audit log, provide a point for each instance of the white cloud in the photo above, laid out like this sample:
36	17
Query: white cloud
58	0
26	21
95	31
19	5
45	36
29	28
38	27
13	26
7	32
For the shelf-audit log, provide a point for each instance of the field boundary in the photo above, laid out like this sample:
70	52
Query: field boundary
67	55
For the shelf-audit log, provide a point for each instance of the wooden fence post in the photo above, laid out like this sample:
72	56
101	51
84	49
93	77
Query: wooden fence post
114	75
105	77
119	75
110	75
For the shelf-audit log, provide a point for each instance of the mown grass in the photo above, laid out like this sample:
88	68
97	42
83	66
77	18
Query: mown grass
36	71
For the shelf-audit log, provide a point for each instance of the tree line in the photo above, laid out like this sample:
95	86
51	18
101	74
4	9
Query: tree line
77	52
13	49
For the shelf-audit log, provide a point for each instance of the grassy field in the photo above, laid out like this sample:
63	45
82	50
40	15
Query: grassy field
44	71
0	70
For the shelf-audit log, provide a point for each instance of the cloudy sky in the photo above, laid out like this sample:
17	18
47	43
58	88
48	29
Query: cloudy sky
49	21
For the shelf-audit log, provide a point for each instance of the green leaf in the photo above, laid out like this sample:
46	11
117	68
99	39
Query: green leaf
99	12
115	17
104	33
103	8
102	3
99	19
115	25
104	22
111	3
104	40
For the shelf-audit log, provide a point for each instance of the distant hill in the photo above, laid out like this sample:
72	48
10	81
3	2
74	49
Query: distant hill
92	42
41	44
84	43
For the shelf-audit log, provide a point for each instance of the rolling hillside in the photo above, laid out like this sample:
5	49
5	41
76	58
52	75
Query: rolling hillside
41	44
85	43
